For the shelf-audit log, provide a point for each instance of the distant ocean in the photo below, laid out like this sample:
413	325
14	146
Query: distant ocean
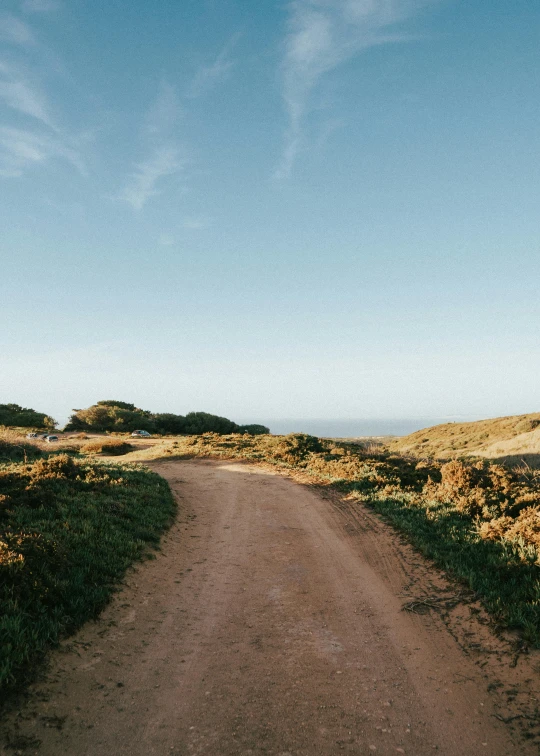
353	428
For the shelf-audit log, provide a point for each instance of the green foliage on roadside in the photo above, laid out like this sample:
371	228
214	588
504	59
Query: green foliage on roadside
69	528
13	415
504	573
478	520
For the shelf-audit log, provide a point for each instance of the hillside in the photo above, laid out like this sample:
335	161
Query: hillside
516	436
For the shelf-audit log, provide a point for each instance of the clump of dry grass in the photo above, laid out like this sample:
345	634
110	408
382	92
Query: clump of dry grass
109	447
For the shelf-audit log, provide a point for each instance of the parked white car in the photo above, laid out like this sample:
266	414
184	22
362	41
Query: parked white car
141	434
51	439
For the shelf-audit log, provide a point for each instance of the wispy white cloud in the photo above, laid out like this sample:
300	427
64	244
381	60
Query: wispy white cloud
40	6
164	113
322	34
21	148
22	95
165	158
167	240
189	223
15	31
195	223
30	133
208	76
164	161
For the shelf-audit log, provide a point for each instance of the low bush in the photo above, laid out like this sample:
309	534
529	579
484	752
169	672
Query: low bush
17	450
108	447
296	448
69	528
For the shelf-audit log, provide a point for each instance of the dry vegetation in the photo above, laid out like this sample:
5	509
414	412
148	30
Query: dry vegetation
478	520
510	439
112	447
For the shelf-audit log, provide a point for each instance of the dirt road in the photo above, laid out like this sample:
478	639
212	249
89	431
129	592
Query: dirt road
270	623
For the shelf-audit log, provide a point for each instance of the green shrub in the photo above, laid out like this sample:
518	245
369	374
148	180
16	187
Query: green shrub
12	415
253	429
68	531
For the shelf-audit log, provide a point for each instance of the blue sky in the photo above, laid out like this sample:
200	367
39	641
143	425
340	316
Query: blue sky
318	208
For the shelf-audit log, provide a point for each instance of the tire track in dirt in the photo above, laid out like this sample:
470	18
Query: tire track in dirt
269	623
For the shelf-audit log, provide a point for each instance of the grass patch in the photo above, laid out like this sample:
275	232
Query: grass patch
477	520
504	574
69	528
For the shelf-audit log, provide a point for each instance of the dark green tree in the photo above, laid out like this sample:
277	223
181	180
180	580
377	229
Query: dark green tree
23	417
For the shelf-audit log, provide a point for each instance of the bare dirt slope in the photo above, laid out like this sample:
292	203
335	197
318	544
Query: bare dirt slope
272	623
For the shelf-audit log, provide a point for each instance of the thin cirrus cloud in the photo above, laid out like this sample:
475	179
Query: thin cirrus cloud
15	31
164	161
29	132
167	240
207	77
18	93
40	6
36	139
321	35
20	148
164	154
164	112
196	223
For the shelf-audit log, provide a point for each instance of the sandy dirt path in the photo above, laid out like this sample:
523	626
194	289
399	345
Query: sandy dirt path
270	623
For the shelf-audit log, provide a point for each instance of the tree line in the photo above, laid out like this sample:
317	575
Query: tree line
24	417
122	417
